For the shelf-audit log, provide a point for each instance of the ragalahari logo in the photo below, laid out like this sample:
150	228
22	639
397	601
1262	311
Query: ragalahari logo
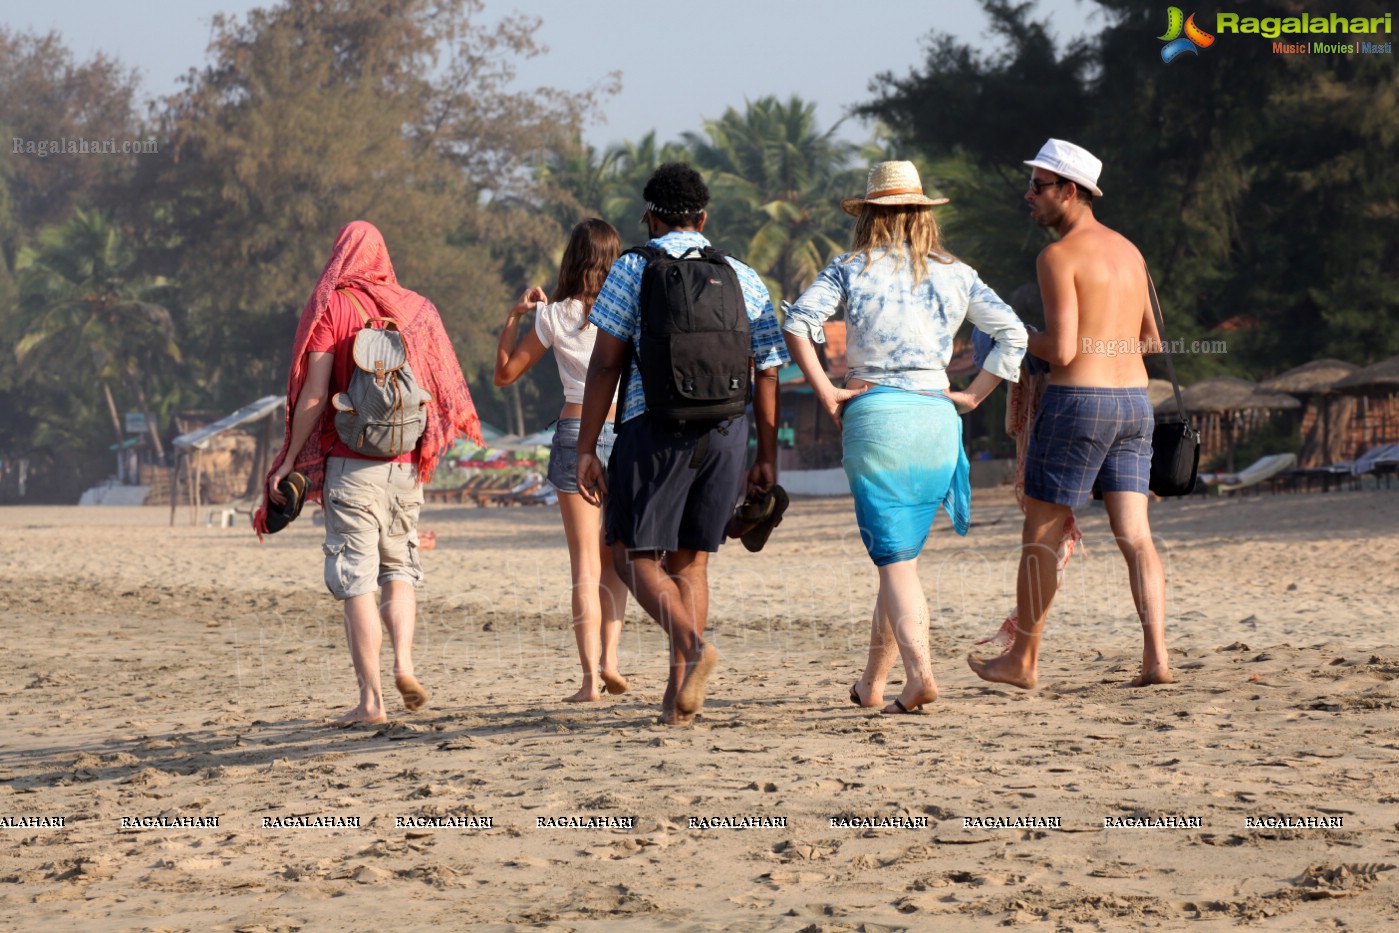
1177	44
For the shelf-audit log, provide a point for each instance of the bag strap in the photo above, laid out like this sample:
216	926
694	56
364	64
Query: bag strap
367	321
647	252
363	314
1165	346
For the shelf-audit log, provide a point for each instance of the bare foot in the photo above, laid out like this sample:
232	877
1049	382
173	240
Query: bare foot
914	703
1156	675
1002	670
414	694
669	716
584	695
359	716
674	718
690	697
615	683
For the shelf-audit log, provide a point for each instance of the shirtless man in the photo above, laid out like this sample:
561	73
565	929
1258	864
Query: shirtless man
1095	422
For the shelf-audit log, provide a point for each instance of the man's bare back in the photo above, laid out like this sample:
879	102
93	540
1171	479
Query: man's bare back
1098	319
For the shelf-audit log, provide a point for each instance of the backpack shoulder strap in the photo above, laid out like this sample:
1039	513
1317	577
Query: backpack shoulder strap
363	314
650	254
646	252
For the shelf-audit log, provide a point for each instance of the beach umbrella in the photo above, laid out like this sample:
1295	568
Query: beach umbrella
1313	380
538	439
1227	394
1382	378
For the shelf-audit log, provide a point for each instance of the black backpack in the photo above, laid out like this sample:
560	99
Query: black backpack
694	350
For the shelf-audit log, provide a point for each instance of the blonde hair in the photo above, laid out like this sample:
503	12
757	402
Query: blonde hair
902	231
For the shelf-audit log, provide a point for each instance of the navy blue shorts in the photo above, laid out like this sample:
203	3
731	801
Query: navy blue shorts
670	489
1086	435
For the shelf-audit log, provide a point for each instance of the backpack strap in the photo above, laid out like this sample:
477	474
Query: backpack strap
650	254
365	319
647	252
363	314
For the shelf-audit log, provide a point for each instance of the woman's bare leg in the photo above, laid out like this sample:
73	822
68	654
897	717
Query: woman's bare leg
581	523
612	595
883	649
906	608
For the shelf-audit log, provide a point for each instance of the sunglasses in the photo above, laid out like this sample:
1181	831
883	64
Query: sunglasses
1037	186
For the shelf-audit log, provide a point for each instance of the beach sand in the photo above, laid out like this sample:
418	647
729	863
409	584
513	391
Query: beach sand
186	672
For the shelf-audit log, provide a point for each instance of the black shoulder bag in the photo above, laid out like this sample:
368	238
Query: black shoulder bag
1175	444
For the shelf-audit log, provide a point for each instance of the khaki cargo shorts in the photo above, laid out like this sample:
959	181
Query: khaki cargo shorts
371	525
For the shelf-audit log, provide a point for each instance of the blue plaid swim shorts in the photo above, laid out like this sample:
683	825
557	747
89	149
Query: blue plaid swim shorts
1084	436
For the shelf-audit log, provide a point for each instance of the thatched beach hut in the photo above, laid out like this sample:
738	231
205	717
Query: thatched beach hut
1228	409
1328	417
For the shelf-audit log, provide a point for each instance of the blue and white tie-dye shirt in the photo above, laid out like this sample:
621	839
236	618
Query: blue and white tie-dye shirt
899	334
617	310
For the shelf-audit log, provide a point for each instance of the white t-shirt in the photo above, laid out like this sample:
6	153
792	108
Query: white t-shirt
560	325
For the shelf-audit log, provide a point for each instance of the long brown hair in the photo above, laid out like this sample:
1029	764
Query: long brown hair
593	247
903	231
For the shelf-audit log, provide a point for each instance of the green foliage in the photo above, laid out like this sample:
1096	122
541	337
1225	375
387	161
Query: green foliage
47	95
776	181
1261	188
91	340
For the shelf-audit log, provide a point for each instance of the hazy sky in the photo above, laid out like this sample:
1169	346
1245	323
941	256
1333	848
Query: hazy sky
720	52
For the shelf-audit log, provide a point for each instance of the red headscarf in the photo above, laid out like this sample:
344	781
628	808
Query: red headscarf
361	260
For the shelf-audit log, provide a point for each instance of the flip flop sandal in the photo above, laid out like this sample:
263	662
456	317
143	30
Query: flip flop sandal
280	516
747	516
903	710
757	536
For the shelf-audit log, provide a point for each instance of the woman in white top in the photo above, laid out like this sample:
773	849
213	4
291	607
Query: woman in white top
599	595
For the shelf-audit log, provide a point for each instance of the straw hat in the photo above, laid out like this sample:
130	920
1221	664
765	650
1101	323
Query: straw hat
891	183
1066	160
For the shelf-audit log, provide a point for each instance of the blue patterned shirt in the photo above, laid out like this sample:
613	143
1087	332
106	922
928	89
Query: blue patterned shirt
900	334
617	310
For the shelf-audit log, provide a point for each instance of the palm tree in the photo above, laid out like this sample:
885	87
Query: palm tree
576	182
776	181
90	316
632	164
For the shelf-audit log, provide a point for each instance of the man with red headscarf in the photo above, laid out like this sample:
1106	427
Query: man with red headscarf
371	505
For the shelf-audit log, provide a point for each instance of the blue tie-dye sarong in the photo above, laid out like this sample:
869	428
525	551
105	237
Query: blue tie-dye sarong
904	458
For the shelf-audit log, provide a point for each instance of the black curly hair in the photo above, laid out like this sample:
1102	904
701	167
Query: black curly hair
676	195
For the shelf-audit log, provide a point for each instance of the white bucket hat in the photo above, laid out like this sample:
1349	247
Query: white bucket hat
1066	160
891	183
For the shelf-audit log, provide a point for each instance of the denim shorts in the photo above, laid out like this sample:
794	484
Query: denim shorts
563	452
371	525
1084	435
